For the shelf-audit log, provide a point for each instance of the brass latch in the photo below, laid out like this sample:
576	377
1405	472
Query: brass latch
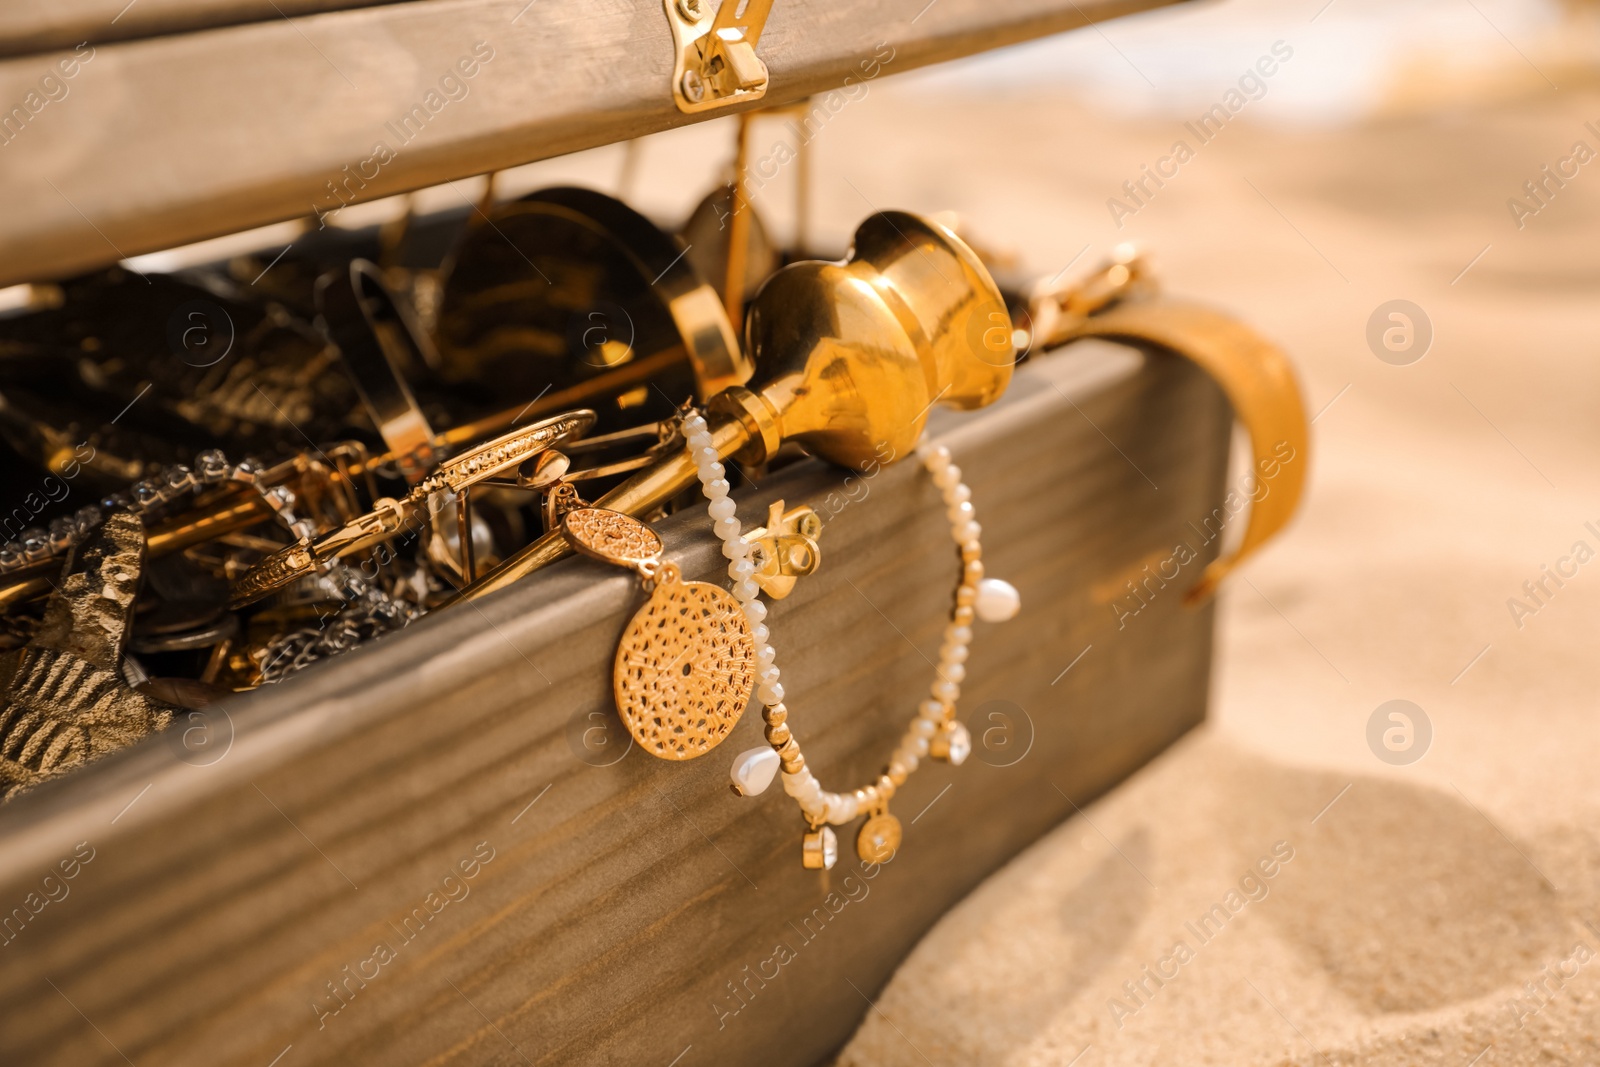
716	63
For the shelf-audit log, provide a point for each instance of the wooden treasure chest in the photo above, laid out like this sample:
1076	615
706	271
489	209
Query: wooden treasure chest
395	677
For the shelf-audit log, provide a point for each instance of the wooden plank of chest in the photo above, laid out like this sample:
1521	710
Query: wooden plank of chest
622	910
160	142
29	26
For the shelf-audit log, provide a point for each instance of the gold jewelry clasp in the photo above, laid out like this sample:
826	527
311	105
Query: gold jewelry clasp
1056	313
785	548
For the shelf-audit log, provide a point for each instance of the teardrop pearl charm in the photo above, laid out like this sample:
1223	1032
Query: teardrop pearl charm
754	770
953	744
997	600
819	850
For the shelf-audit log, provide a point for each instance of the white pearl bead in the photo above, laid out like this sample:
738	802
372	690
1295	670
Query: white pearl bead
699	442
771	694
745	591
740	569
997	600
945	691
755	611
958	635
907	758
936	457
760	634
710	472
924	727
953	672
918	744
726	529
958	494
960	514
722	508
953	653
931	710
765	654
803	786
706	454
716	488
945	477
694	422
738	548
754	770
967	531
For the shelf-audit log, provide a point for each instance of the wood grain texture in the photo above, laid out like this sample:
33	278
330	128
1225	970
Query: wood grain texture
28	26
620	905
171	140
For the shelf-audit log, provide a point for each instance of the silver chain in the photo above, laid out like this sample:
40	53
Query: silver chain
146	499
370	613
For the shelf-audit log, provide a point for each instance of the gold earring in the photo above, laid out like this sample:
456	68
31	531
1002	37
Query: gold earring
879	838
685	667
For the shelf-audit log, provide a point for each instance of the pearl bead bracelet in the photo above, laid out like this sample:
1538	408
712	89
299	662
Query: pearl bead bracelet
934	730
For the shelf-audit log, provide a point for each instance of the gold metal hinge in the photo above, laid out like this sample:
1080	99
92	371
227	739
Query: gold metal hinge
716	64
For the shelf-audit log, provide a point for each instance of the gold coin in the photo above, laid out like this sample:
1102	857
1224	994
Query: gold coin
611	536
685	669
879	838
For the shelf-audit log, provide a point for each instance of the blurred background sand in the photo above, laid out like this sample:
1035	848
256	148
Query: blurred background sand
1422	899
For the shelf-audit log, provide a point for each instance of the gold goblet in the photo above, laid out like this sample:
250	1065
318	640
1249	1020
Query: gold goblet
850	357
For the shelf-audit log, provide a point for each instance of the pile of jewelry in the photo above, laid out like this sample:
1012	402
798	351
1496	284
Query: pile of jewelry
380	442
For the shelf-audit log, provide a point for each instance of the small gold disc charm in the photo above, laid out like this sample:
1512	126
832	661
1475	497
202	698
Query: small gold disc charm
879	838
685	667
611	537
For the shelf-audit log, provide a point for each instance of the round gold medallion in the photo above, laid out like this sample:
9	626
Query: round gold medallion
611	536
879	838
685	668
